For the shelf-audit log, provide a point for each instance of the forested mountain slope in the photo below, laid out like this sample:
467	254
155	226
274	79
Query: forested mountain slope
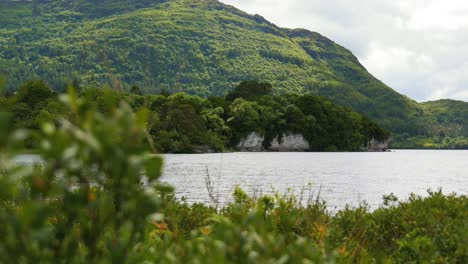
202	47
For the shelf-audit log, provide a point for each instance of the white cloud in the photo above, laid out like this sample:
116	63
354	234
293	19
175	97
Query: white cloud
418	47
440	15
400	65
452	83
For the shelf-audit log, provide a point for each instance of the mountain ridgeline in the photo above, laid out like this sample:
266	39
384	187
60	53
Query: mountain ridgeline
205	48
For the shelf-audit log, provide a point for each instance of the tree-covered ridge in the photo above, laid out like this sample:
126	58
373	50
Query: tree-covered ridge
194	46
450	134
183	123
449	112
201	47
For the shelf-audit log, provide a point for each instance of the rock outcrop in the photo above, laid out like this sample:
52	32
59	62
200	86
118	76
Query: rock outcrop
286	143
252	143
378	146
290	143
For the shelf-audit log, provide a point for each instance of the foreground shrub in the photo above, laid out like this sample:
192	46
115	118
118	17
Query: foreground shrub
85	202
433	229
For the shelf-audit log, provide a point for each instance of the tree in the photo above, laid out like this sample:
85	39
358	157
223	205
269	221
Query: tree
250	90
136	90
244	118
34	93
183	128
28	102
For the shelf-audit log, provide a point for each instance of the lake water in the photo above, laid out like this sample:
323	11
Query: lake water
338	178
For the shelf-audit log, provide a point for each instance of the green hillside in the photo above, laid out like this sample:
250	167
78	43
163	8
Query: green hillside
449	112
202	47
449	120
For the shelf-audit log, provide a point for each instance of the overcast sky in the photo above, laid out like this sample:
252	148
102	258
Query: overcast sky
418	47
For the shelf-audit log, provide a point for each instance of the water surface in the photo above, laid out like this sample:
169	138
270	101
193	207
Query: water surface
339	178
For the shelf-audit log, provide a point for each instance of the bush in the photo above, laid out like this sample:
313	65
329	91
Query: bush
281	229
85	202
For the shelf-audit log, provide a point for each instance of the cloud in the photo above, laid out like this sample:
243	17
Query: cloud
418	47
440	15
404	67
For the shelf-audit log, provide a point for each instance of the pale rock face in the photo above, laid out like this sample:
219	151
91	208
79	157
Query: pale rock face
378	146
252	143
290	142
296	143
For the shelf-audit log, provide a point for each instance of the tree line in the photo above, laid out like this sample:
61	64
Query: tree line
183	123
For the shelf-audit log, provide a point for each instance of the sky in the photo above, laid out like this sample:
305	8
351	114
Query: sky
417	47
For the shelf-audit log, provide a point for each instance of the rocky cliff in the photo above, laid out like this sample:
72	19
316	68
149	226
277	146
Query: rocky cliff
252	143
291	142
286	143
377	146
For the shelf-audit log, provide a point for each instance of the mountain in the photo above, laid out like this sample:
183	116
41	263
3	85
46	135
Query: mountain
202	47
453	115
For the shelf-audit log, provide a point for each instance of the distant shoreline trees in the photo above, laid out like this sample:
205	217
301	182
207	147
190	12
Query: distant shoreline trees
183	123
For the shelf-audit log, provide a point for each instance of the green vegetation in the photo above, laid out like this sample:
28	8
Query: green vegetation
173	74
450	134
441	142
279	229
201	47
85	204
183	123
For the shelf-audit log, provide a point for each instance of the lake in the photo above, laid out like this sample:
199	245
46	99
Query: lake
338	178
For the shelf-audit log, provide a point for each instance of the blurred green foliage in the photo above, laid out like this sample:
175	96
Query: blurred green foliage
84	203
183	123
201	47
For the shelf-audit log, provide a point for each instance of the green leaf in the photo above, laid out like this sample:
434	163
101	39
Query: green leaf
164	188
154	167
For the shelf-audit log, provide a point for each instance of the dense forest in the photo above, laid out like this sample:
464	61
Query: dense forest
85	202
205	48
183	123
